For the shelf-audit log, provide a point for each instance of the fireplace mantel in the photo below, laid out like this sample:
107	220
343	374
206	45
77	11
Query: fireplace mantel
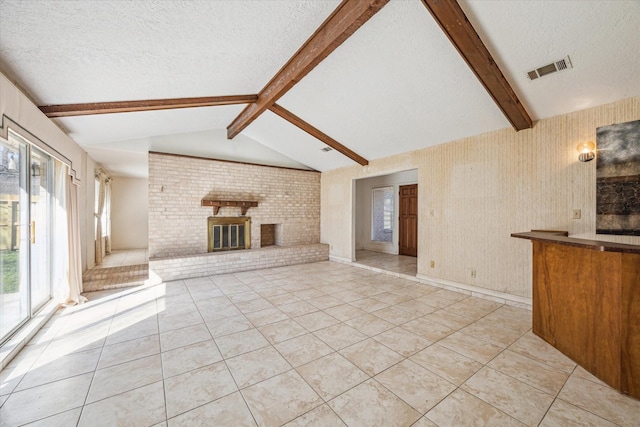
244	205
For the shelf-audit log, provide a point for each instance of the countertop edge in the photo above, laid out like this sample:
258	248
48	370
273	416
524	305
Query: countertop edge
559	238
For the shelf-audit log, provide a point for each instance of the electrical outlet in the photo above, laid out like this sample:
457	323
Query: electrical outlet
432	264
432	212
473	273
577	214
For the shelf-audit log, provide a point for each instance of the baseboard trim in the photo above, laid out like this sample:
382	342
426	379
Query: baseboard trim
475	291
340	259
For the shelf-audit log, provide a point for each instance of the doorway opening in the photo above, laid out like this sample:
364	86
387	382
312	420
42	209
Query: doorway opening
386	235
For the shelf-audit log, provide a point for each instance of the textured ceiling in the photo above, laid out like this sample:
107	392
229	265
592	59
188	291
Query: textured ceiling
111	50
602	39
396	85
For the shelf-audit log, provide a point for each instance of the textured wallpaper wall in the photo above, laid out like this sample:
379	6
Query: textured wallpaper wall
475	192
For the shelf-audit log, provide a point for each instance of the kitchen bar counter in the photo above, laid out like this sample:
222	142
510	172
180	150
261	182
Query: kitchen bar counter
586	303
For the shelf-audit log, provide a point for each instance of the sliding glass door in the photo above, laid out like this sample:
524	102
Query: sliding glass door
25	232
41	191
14	221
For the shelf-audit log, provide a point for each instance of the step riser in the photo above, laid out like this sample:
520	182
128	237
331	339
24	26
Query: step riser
98	279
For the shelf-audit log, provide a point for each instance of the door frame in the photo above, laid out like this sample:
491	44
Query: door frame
356	209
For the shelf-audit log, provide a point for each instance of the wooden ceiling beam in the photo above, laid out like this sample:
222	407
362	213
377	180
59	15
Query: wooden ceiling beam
297	121
464	37
68	110
343	22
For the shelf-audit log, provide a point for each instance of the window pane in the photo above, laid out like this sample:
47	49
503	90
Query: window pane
14	238
95	209
41	189
382	214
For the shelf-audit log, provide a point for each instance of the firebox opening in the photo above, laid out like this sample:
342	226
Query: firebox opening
227	234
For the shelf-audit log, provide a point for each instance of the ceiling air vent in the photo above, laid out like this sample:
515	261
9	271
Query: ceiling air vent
561	65
326	149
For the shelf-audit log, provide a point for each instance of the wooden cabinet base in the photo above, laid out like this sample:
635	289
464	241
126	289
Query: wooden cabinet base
586	303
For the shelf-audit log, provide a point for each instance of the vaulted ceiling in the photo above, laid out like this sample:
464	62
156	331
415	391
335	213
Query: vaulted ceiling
396	84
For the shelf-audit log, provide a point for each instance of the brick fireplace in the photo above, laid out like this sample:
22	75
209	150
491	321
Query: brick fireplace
285	216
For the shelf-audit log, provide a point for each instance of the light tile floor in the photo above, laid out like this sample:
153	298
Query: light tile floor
123	257
322	344
400	264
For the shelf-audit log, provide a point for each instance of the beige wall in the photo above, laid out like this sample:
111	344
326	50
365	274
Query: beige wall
18	113
178	223
484	188
129	213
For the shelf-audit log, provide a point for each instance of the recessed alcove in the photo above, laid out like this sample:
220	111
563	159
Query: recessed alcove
270	235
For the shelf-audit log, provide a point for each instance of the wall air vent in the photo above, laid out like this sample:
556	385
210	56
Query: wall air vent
326	149
561	65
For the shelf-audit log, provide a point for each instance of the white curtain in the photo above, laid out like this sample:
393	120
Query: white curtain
66	255
59	254
100	211
74	252
107	217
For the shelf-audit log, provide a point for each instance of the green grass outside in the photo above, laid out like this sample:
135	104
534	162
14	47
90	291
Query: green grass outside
10	274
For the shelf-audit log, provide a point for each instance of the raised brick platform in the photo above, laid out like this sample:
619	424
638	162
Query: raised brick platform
100	279
174	268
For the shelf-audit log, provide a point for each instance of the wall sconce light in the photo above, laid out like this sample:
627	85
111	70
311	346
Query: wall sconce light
586	150
35	169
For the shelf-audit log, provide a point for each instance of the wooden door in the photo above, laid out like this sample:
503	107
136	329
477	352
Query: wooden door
408	240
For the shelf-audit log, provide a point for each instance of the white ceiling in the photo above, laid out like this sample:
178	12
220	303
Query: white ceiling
396	85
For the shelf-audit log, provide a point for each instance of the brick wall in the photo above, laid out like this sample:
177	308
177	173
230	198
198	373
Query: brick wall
186	267
178	224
